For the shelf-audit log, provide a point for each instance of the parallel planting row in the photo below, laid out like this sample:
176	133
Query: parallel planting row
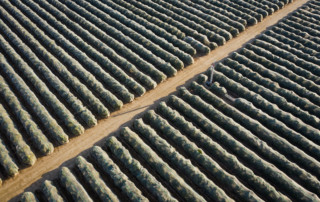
246	130
65	64
194	147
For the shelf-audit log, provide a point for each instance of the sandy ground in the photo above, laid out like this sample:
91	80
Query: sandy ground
47	167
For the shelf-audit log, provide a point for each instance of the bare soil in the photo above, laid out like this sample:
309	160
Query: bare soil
48	166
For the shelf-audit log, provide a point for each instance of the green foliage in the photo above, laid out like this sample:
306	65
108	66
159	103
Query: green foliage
92	177
31	100
141	173
28	197
171	50
72	186
282	81
139	9
227	141
50	192
222	30
189	169
174	14
268	136
275	87
6	162
55	65
59	109
220	18
169	174
157	29
103	61
266	59
92	66
146	67
201	49
269	98
304	26
119	178
115	28
291	62
36	135
237	10
167	19
215	149
297	40
213	10
253	6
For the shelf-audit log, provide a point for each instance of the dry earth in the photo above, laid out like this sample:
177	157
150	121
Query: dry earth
47	167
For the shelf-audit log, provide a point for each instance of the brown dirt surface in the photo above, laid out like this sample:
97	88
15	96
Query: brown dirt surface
47	167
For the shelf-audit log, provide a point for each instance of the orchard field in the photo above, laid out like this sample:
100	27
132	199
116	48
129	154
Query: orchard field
66	64
247	129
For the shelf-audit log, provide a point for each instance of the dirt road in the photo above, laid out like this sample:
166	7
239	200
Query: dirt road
46	167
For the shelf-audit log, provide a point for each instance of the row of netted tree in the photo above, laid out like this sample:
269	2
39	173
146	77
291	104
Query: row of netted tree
105	78
239	127
154	27
101	28
114	27
274	86
20	87
103	61
266	69
31	128
68	74
281	75
265	98
194	141
268	136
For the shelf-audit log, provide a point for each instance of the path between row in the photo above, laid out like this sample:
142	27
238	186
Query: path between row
46	167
